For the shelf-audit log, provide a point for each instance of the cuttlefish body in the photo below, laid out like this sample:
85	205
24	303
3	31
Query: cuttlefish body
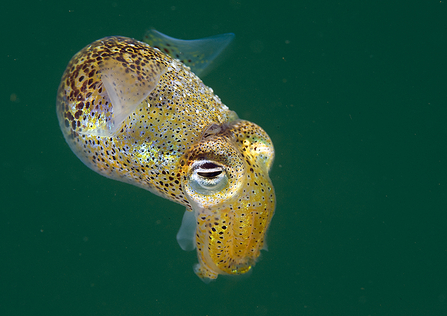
133	113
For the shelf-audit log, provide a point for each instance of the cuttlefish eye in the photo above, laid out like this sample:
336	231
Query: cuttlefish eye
207	177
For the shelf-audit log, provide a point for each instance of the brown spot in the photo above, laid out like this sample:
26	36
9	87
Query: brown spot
70	116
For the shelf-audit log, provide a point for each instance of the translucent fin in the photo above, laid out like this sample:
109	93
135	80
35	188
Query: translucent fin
197	271
126	90
186	236
265	246
196	54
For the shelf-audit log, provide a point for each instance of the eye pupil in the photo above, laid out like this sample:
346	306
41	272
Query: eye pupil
209	175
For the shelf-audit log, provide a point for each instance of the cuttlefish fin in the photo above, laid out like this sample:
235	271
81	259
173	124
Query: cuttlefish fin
186	236
197	54
125	90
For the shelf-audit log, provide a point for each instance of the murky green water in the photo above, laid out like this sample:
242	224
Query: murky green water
354	97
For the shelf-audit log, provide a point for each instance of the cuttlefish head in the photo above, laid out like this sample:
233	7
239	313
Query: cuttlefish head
225	179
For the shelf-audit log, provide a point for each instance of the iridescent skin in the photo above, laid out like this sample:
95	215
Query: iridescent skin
134	114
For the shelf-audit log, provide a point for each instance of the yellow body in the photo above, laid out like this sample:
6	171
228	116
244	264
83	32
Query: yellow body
134	114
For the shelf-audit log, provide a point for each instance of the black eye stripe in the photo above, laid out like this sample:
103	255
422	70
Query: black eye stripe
209	165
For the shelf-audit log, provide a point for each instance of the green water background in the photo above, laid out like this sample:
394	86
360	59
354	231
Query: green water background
353	95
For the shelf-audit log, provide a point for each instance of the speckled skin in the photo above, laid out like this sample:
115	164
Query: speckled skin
158	141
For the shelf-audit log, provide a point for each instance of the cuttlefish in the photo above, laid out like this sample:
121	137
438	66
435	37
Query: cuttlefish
137	112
